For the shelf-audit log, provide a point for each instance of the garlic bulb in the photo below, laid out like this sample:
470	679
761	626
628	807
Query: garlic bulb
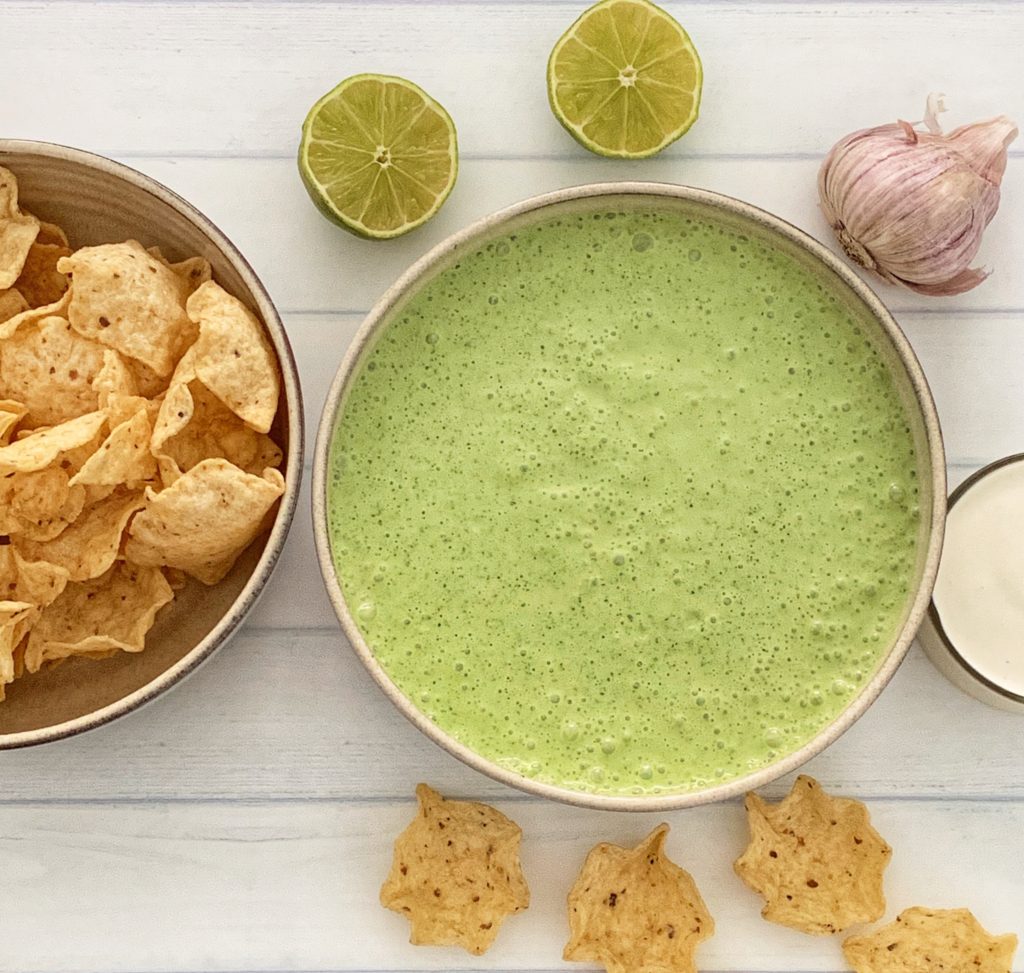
912	205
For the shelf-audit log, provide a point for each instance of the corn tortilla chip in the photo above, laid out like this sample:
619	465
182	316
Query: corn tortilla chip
42	447
113	378
38	505
633	909
37	582
52	234
40	282
90	618
128	300
12	302
233	357
204	520
931	941
123	457
11	413
34	315
456	874
16	617
815	859
51	368
90	545
195	271
193	425
18	231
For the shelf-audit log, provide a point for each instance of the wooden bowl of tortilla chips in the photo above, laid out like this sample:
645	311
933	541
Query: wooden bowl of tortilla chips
151	440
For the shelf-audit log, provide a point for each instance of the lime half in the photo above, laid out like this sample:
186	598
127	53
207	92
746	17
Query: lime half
378	155
625	79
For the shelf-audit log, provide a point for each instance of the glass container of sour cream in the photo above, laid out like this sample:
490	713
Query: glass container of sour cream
974	628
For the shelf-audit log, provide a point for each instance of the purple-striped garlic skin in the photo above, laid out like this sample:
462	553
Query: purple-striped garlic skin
912	206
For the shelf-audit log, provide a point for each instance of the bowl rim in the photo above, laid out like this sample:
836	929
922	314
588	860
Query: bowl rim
918	385
10	152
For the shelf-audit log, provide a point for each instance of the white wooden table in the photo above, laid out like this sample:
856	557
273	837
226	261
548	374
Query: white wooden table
245	821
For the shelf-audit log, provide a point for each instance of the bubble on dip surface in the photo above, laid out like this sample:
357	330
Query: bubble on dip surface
626	501
979	592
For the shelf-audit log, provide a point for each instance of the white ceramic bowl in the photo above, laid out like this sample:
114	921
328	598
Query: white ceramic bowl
889	338
99	201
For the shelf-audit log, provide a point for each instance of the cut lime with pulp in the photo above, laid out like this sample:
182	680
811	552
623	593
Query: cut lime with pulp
625	79
378	155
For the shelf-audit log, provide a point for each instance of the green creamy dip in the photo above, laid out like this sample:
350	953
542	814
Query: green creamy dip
626	502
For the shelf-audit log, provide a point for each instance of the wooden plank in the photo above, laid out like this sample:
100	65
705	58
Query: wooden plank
290	715
780	77
310	265
294	886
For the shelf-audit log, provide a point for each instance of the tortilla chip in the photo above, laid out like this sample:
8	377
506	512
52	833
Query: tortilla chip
233	356
195	271
16	617
129	301
18	231
37	582
51	234
11	413
42	447
203	521
123	457
91	618
34	315
50	367
456	874
38	505
816	860
40	282
113	378
193	425
931	941
633	909
90	545
12	302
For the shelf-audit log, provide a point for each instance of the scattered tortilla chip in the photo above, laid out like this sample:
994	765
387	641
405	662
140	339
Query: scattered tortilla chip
456	874
233	356
40	504
89	618
130	301
51	368
18	231
90	545
15	619
12	302
931	941
37	582
42	447
123	457
113	378
815	859
633	909
11	413
40	282
193	425
204	520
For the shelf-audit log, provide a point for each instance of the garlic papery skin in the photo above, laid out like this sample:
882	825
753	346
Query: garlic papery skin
912	205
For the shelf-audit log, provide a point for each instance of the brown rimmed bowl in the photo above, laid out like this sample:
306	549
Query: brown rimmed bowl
872	316
97	200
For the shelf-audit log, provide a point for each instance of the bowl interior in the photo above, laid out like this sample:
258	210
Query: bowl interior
96	201
870	315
